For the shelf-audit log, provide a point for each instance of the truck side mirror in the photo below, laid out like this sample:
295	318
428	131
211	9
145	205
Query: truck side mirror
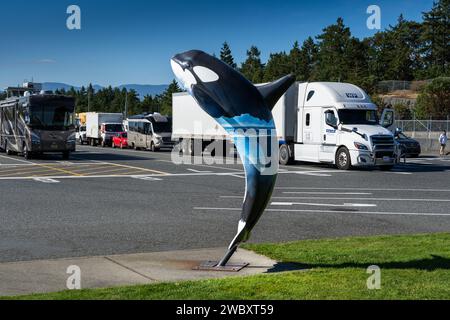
330	119
387	118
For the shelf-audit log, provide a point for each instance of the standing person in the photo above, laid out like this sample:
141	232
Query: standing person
443	141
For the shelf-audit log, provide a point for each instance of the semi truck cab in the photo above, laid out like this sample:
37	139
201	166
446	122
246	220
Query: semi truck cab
336	123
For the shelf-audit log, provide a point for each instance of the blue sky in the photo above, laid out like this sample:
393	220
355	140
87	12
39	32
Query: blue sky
132	41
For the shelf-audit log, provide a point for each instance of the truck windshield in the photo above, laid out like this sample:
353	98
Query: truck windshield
113	127
358	116
51	116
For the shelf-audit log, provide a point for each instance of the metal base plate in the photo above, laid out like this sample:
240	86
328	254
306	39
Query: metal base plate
213	266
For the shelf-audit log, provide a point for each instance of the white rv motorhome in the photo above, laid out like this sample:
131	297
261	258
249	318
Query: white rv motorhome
321	122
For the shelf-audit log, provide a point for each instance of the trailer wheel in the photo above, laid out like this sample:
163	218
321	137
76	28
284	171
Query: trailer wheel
188	147
343	160
285	155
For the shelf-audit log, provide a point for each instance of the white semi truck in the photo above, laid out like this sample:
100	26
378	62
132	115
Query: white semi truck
101	127
320	122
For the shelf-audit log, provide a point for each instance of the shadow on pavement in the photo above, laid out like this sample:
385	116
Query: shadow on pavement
431	264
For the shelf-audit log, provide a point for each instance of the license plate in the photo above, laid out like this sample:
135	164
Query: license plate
54	146
386	159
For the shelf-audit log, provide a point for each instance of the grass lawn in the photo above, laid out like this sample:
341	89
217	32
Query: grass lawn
412	267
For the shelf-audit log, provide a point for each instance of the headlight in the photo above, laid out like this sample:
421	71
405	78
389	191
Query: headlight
360	146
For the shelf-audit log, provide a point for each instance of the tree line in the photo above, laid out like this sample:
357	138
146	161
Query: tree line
125	101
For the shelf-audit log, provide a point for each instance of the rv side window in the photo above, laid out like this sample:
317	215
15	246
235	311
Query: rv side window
308	119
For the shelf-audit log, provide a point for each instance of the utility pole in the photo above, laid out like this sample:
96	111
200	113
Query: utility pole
126	105
89	99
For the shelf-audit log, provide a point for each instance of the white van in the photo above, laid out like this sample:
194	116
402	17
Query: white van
150	132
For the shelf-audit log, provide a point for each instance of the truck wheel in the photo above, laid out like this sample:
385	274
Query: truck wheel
285	155
152	147
386	168
66	155
343	160
92	143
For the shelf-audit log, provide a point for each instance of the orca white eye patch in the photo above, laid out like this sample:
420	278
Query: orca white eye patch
206	74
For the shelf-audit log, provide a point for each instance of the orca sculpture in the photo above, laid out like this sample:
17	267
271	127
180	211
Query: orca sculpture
244	111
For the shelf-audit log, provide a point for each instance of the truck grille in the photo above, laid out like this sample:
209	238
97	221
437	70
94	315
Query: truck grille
383	146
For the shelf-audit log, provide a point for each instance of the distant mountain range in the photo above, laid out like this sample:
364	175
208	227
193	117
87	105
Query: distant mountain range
141	89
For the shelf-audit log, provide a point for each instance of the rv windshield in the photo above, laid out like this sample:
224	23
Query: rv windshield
353	116
162	127
51	117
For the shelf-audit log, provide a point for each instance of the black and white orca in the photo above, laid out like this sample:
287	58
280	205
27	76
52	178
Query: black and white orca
239	107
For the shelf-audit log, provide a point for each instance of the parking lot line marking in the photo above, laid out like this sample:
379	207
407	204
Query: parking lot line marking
365	199
136	168
46	180
340	198
332	211
22	172
105	171
362	189
323	204
146	178
203	165
312	174
198	171
15	159
330	193
59	169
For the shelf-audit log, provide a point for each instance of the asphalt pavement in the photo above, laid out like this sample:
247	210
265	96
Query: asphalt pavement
111	201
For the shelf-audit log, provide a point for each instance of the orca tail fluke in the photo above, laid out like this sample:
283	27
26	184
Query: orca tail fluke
273	91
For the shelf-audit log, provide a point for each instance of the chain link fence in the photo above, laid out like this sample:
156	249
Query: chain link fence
423	127
394	85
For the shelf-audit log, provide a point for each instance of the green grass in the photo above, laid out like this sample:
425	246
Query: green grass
412	267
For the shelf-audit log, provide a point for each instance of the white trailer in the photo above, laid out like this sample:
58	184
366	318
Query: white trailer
192	124
320	122
101	127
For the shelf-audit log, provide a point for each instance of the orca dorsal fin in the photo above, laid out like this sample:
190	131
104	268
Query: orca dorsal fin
273	91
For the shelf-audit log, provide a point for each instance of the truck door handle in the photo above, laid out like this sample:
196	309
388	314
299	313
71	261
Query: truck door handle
324	137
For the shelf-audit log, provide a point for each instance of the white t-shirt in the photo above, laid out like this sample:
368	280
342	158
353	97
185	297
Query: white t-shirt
443	139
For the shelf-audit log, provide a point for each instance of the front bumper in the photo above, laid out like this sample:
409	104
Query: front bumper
368	159
53	147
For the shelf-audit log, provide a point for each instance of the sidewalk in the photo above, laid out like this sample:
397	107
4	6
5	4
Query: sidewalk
19	278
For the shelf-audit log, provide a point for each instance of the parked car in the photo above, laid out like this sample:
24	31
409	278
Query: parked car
81	135
409	146
120	140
